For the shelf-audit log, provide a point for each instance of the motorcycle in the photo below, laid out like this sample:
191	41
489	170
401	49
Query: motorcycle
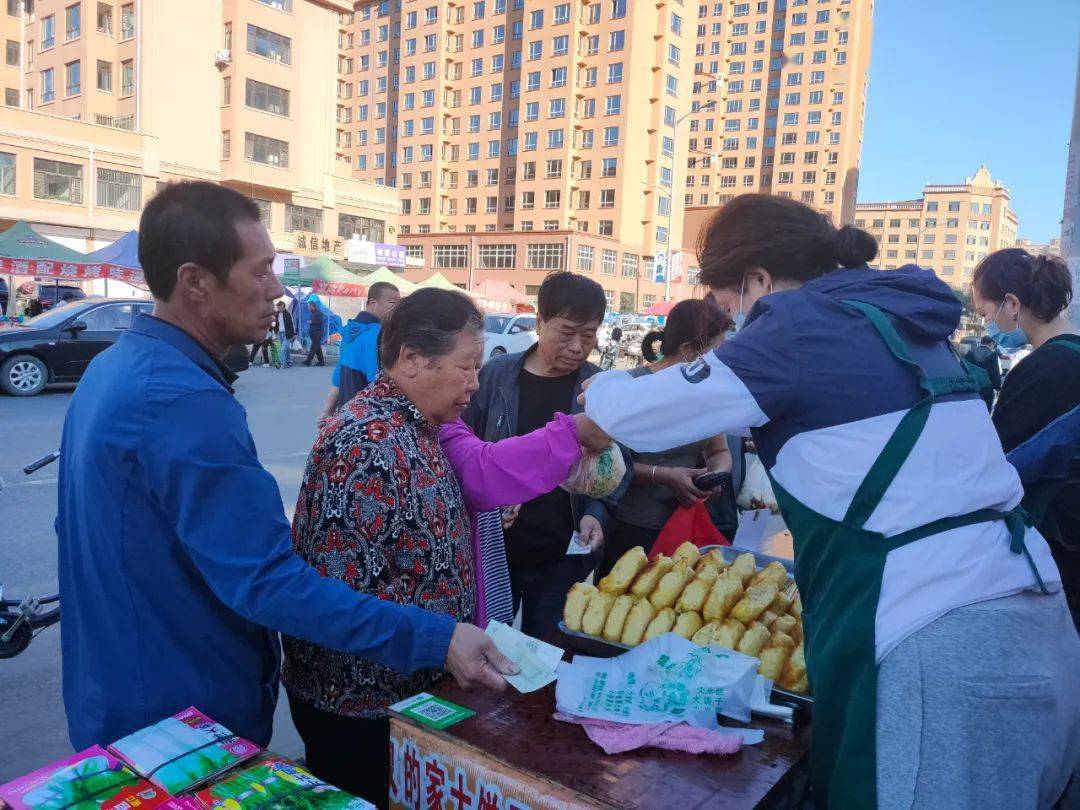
22	619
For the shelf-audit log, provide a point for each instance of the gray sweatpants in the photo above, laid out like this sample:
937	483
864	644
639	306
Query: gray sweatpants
981	709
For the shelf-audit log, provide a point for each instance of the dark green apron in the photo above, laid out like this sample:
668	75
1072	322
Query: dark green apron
838	568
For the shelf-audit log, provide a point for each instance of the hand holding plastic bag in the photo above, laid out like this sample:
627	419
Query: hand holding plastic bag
597	475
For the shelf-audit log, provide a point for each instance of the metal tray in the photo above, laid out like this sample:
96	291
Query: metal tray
602	648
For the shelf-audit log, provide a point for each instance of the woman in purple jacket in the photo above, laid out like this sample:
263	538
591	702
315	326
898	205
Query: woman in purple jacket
504	473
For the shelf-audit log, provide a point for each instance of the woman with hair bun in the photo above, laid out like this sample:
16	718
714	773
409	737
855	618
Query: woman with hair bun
664	480
937	637
1025	299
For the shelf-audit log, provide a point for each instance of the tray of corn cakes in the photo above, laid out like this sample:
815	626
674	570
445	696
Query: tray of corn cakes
715	596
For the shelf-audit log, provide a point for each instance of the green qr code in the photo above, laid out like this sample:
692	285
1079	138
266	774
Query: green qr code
433	712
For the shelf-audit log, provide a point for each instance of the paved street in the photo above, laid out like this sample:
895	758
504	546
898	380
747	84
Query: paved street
281	407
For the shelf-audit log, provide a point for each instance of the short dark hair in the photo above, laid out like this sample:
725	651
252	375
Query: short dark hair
380	288
1043	284
194	222
571	296
429	320
986	340
693	321
790	240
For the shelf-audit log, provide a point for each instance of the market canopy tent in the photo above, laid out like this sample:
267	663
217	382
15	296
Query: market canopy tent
119	261
25	252
441	282
390	277
662	308
322	275
497	296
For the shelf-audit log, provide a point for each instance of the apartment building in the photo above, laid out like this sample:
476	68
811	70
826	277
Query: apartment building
115	102
524	137
1070	213
780	100
950	229
1051	248
531	135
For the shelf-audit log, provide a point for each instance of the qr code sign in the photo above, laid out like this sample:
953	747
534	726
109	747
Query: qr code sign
433	712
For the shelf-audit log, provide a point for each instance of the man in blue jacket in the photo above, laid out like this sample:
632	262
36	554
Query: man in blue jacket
358	362
175	558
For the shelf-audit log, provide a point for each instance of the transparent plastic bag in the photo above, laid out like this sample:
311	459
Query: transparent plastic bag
597	475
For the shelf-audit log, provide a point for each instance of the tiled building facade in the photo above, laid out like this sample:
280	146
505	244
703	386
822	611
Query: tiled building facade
531	135
950	229
113	102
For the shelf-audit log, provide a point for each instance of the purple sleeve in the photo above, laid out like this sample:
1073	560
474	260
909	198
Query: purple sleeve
514	470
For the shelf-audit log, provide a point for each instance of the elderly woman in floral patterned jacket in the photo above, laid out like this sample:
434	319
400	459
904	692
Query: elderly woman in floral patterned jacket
383	508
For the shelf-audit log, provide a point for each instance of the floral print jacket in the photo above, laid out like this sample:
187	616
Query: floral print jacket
381	509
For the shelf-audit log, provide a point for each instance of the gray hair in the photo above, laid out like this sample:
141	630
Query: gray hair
428	320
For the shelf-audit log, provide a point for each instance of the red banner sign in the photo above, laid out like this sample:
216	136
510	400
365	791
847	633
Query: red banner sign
76	271
339	288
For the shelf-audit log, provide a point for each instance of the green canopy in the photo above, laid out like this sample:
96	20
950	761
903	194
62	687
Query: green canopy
20	241
441	282
321	269
389	276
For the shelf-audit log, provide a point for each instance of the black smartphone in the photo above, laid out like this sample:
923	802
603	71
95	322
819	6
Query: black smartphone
707	482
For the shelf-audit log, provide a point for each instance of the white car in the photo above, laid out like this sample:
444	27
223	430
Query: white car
508	334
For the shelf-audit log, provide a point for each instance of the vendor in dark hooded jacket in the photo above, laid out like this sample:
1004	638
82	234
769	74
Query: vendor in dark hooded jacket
939	648
358	360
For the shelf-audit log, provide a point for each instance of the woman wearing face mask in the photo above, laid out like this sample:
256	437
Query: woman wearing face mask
937	638
1025	299
664	480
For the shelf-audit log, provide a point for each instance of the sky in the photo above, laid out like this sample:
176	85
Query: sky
959	83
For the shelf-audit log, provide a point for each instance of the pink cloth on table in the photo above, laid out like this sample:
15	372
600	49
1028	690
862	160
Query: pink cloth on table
617	738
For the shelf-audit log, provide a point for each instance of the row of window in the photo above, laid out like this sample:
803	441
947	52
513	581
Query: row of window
536	18
553	170
828	198
556	139
59	181
538	256
932	222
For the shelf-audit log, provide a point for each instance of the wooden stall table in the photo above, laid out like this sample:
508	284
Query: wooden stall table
514	755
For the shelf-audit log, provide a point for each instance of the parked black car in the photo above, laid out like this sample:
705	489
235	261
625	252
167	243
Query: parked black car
58	345
47	295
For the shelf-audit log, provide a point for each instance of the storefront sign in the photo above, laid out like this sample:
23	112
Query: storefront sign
361	251
676	267
430	771
75	271
339	288
660	268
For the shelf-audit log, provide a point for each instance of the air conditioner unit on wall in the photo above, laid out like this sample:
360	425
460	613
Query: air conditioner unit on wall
223	57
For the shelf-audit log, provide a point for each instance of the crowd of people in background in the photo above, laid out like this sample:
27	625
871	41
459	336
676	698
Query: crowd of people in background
430	503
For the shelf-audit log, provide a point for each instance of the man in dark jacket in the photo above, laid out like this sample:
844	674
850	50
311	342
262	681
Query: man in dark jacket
315	332
520	393
985	357
285	332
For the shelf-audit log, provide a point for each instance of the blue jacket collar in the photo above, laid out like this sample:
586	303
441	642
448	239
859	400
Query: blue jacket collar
176	337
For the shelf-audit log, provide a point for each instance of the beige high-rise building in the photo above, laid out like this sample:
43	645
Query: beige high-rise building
117	98
950	229
780	100
1051	248
526	137
531	135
